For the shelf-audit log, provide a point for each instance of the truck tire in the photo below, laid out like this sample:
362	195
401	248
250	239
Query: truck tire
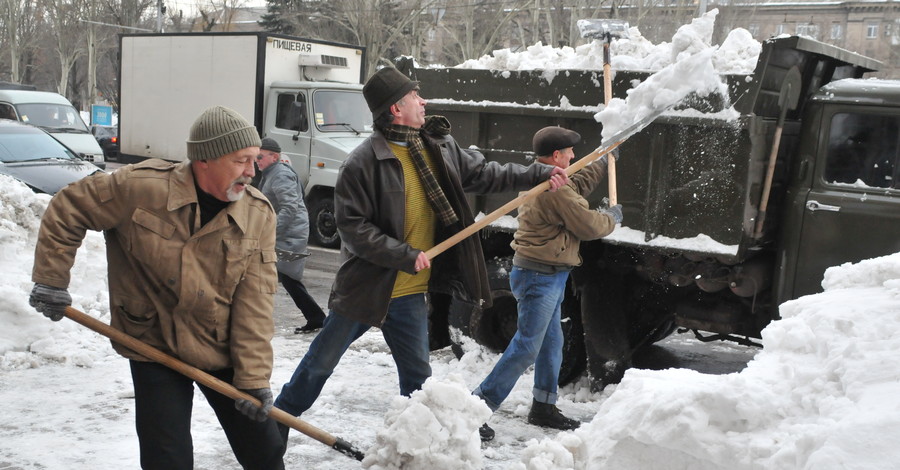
494	327
621	313
322	225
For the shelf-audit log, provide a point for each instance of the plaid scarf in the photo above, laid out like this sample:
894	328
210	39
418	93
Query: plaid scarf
416	144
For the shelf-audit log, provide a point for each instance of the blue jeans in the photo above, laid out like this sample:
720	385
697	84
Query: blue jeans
538	339
405	330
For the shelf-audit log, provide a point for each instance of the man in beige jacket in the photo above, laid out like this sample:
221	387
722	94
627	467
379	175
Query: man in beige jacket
551	227
191	260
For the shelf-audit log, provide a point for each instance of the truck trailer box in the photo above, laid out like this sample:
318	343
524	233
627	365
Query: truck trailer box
167	80
304	93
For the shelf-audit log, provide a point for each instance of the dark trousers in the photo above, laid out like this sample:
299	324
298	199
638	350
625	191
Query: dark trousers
163	400
307	305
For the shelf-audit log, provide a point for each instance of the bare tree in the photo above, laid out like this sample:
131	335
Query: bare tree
476	27
18	22
66	30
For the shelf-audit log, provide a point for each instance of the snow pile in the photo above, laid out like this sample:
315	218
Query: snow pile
28	339
436	427
821	394
691	71
738	53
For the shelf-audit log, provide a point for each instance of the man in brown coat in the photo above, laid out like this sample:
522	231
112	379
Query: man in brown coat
191	259
551	227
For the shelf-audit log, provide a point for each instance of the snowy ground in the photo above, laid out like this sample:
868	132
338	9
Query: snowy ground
821	395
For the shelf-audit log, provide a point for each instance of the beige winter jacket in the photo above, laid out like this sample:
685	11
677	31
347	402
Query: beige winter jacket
203	295
553	224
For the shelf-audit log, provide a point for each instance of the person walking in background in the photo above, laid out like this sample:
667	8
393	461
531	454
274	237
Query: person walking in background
397	192
191	260
551	227
281	185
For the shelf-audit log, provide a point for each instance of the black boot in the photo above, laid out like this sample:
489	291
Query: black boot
486	433
548	416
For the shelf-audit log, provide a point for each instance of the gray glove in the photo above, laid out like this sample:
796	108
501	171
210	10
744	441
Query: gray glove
604	161
252	411
51	301
289	255
615	211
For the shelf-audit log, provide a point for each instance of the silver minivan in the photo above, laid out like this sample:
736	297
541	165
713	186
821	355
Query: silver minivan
56	115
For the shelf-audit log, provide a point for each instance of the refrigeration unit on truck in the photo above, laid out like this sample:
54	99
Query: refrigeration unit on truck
304	93
696	250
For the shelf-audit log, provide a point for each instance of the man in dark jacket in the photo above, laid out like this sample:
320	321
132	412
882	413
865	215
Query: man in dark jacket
191	256
281	185
398	193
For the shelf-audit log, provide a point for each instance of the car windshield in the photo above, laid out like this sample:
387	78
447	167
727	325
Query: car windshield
52	116
18	146
341	111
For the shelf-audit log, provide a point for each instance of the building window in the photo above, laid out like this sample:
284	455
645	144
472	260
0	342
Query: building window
871	31
808	29
837	31
779	30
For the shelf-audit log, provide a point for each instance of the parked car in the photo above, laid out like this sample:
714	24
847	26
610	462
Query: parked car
108	138
36	158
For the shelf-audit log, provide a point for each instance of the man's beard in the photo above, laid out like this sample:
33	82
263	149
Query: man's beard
235	195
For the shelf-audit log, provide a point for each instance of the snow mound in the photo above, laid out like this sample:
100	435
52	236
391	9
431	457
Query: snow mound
738	54
823	387
436	427
28	339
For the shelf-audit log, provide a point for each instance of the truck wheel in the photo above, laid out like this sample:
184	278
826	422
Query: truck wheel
495	326
322	225
574	360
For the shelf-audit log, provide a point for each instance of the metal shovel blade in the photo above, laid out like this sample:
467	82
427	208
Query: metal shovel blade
635	127
602	28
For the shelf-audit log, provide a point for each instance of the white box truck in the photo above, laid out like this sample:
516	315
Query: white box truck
304	93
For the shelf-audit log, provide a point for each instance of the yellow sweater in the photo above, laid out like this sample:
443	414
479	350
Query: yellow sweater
419	223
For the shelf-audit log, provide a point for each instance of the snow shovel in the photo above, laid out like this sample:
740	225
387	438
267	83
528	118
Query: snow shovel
608	145
606	30
198	375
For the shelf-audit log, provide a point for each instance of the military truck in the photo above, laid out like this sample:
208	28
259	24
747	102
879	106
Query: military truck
724	219
304	93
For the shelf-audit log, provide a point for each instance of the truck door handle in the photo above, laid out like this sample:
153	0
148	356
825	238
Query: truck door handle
815	206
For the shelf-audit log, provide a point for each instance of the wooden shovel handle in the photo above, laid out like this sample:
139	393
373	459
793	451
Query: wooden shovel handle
607	95
515	203
199	376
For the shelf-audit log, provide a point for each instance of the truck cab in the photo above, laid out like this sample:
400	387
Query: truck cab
843	199
317	125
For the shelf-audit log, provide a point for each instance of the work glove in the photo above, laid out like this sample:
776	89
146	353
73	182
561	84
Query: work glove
604	161
615	211
51	301
248	409
284	255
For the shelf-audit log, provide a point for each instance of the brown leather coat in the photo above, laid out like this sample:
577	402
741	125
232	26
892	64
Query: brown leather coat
370	211
203	295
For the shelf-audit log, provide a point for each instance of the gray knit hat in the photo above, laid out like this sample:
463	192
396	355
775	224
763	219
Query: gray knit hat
220	131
